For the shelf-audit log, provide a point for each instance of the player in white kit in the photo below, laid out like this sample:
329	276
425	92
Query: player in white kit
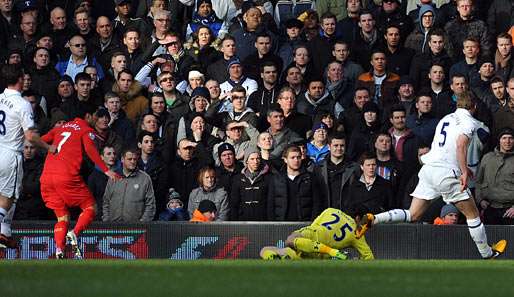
445	173
16	124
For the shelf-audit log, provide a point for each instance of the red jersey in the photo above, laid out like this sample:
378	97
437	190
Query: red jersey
71	140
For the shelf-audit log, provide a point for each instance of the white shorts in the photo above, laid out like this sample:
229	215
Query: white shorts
11	173
435	182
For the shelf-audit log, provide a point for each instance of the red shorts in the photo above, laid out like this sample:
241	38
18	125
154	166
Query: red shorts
60	192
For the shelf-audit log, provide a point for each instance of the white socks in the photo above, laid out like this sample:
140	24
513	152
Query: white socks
477	232
393	216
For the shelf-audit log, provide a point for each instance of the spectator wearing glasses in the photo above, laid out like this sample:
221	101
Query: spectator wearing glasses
418	39
162	24
78	60
176	103
173	47
26	38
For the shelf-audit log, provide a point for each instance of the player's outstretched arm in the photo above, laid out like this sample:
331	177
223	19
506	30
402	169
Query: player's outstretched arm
33	137
92	153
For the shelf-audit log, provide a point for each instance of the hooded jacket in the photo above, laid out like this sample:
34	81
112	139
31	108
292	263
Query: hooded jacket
418	39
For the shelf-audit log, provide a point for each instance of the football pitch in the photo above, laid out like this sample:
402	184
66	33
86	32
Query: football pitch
314	278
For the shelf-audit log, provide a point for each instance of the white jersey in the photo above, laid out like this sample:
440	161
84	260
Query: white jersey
249	84
443	152
16	116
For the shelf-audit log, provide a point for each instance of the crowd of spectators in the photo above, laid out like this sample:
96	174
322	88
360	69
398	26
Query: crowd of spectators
270	110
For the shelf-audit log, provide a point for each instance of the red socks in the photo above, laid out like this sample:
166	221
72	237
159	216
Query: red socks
85	218
60	230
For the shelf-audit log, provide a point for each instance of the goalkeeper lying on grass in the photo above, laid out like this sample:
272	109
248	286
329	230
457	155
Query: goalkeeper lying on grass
330	232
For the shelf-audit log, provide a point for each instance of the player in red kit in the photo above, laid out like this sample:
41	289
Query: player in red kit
61	183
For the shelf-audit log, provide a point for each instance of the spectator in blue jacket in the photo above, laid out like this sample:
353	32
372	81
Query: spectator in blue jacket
318	149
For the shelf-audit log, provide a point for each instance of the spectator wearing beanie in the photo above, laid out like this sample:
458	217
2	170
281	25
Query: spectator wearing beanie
480	81
318	149
362	136
248	197
237	78
57	119
195	79
65	92
198	105
292	41
228	166
209	190
206	212
424	21
175	210
449	215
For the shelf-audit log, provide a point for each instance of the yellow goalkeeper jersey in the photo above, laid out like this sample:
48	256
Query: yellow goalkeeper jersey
336	229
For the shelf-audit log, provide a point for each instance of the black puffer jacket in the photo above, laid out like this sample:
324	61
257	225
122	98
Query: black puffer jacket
248	197
307	205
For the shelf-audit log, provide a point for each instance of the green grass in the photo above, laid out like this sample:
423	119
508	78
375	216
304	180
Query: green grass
207	278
